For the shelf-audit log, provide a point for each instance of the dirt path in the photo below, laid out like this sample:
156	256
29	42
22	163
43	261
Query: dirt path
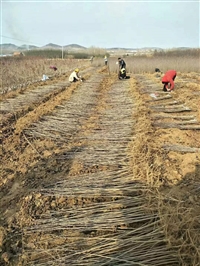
71	192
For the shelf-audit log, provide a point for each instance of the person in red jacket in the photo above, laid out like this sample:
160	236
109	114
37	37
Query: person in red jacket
167	79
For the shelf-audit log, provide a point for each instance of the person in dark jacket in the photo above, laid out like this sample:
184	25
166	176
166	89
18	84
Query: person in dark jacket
122	68
121	63
167	79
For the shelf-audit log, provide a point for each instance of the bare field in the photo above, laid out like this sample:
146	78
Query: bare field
103	172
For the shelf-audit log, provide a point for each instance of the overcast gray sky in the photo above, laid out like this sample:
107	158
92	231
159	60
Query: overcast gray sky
104	24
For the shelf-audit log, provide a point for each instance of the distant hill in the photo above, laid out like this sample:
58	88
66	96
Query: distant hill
69	46
74	46
8	46
51	46
27	47
183	48
120	48
152	48
143	48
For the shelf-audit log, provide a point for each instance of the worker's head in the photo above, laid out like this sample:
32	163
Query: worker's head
119	59
76	70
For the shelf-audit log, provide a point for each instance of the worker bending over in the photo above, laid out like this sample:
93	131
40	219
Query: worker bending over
75	76
167	79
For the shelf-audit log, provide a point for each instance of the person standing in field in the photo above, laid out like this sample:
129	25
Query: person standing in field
105	60
122	68
75	76
167	79
91	59
121	63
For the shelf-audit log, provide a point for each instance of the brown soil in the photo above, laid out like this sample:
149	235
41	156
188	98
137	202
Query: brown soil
33	162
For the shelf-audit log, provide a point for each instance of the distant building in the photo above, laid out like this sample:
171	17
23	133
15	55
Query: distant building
18	54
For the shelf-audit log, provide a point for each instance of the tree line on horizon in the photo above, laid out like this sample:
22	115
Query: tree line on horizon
98	52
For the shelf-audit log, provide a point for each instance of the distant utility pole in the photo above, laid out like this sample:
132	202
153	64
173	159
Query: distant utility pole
62	52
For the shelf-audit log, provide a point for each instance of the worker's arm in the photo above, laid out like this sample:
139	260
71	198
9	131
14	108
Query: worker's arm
76	76
171	84
73	75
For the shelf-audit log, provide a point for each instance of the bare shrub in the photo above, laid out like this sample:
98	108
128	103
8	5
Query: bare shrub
148	64
18	72
182	61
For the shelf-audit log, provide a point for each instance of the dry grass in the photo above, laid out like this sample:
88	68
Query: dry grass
20	72
181	226
179	215
136	64
95	218
100	217
111	229
145	148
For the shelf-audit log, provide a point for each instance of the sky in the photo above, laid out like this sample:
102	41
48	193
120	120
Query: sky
103	24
